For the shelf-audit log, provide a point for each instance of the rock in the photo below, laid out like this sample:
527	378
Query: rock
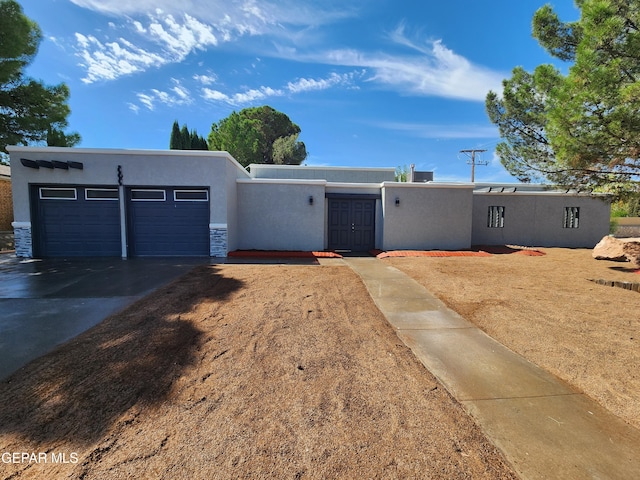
632	251
609	248
618	250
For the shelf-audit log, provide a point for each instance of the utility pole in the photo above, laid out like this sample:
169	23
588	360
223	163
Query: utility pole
472	155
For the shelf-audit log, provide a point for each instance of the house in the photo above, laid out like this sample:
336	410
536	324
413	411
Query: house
129	203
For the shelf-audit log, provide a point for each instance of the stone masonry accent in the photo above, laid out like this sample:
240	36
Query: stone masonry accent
218	246
22	239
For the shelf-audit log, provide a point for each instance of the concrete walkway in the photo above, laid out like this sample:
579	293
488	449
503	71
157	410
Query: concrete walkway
545	428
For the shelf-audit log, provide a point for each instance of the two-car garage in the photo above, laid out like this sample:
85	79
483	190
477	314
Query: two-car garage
77	220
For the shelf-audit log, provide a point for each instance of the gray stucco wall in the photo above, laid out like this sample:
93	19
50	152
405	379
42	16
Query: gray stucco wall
428	217
277	215
532	219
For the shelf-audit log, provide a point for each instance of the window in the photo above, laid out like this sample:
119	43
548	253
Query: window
101	193
148	195
571	217
50	193
191	195
496	217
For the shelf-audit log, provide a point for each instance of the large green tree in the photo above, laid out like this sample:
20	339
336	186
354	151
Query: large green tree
29	110
258	135
580	129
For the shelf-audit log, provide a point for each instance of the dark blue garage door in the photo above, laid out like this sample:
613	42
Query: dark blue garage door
76	221
166	221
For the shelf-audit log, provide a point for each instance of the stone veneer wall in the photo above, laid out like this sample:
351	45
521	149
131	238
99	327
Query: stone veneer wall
22	238
218	244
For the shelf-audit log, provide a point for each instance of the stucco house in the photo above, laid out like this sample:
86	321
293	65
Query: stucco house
103	202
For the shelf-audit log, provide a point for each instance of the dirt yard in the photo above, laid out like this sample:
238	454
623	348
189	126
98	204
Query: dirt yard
547	310
245	371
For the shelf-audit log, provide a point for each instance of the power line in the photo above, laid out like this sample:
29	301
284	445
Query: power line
471	153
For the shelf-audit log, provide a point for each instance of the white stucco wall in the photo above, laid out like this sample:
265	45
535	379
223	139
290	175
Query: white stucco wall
429	216
276	215
536	219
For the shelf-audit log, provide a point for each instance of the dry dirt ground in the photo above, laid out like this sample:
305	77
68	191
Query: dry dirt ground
244	371
547	310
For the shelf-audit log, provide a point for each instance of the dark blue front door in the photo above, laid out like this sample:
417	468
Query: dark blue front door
351	224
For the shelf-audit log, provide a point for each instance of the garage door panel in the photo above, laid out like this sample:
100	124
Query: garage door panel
161	225
71	227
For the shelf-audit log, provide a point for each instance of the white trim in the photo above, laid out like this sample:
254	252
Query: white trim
164	195
427	185
67	151
75	193
550	193
282	181
313	167
198	190
217	226
21	224
86	196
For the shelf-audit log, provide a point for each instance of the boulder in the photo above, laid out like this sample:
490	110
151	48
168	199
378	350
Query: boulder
618	249
632	251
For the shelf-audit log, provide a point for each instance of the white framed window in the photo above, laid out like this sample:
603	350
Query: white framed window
148	195
58	193
571	217
191	195
101	193
495	217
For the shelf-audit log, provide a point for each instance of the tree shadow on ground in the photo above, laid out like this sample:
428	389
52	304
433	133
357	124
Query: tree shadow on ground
76	393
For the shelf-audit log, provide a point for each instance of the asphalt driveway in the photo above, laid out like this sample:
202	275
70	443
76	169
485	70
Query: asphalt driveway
44	303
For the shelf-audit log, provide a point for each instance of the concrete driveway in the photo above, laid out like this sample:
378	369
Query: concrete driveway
44	303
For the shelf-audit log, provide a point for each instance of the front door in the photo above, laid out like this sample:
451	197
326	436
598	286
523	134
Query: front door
352	224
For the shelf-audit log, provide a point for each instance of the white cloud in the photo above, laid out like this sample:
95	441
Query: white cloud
308	84
298	86
108	61
242	16
427	69
241	98
169	41
438	72
205	79
178	95
161	29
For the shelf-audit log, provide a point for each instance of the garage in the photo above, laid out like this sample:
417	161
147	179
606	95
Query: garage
76	221
168	221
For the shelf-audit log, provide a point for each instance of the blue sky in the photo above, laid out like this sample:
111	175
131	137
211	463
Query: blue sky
371	83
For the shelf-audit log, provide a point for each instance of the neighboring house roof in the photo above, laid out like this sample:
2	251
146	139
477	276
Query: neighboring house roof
5	171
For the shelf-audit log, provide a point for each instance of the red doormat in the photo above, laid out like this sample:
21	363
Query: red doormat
281	254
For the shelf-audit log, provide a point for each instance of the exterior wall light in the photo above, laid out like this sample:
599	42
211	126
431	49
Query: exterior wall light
310	199
397	201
